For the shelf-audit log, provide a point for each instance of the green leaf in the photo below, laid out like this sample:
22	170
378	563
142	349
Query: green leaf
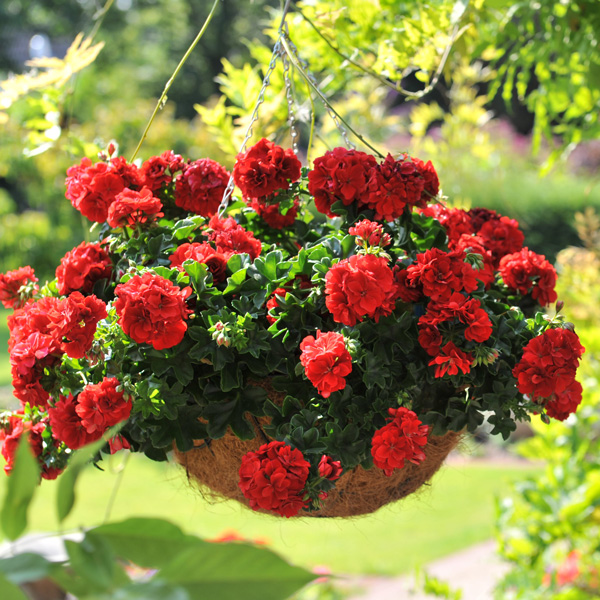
93	560
149	590
9	591
22	483
234	571
149	543
24	567
65	494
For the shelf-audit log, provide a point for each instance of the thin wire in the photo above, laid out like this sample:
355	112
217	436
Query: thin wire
295	60
290	102
163	96
261	98
116	486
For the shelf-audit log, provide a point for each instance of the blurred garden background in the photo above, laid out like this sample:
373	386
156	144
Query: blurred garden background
502	95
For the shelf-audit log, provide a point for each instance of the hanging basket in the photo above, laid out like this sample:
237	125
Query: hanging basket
214	466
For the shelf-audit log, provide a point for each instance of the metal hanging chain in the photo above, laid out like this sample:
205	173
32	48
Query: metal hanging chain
343	131
289	94
277	49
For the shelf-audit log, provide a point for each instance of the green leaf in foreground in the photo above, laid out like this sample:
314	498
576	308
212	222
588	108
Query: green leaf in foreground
9	591
65	494
24	567
234	571
22	483
149	543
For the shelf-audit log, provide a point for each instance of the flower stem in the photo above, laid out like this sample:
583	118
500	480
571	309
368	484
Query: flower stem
163	96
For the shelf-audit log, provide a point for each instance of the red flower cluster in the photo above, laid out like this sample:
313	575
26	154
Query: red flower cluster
272	215
265	169
132	208
329	468
457	312
474	244
370	233
547	369
360	286
526	272
438	274
42	331
82	267
11	436
92	188
231	238
402	439
202	253
200	187
152	310
158	171
393	185
326	361
386	188
451	360
73	323
455	221
498	235
340	174
11	283
274	477
83	420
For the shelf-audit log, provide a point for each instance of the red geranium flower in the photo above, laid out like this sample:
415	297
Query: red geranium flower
501	237
329	468
67	425
459	308
271	213
393	185
11	436
526	272
402	439
326	361
455	221
100	406
92	188
152	310
200	187
442	273
273	478
264	169
430	179
82	267
73	323
549	363
474	244
231	238
370	233
340	174
451	360
132	208
154	170
11	282
561	405
358	287
202	253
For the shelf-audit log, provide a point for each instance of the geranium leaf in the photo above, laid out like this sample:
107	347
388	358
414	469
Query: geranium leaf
20	489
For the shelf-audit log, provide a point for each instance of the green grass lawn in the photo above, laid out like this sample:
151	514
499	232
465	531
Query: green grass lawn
456	511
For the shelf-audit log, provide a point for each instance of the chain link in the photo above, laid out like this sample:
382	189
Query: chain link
334	117
277	51
289	94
